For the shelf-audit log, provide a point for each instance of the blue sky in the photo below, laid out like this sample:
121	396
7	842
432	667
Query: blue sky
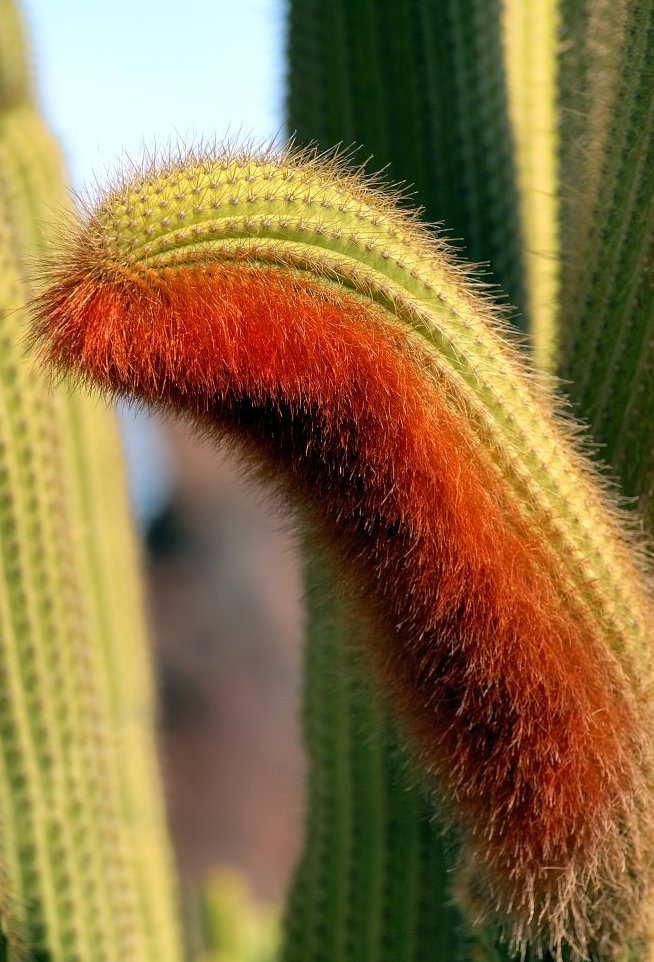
116	76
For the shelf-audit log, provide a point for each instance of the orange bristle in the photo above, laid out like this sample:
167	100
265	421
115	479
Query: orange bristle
515	702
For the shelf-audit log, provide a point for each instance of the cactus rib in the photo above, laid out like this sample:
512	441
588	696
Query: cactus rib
531	38
607	308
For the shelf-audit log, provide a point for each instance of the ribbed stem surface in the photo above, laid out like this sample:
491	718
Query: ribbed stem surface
374	855
85	852
608	298
421	87
530	31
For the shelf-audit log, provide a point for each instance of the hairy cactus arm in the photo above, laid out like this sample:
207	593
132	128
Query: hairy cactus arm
280	300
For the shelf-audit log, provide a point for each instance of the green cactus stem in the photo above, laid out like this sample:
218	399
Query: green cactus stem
422	88
85	855
374	853
608	299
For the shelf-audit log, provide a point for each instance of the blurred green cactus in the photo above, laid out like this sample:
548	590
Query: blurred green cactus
84	850
234	927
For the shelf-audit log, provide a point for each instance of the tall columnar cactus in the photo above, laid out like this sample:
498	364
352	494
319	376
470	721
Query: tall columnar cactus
590	73
85	859
607	303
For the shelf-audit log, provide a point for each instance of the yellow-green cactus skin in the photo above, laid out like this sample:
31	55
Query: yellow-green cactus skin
235	926
531	39
87	867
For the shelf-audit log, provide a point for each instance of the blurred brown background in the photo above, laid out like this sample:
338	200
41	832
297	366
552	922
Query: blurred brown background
225	606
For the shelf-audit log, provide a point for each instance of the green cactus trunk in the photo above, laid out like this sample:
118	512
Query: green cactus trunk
422	87
607	303
373	850
85	855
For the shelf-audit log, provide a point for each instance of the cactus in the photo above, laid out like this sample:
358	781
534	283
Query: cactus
235	927
280	300
485	570
607	314
84	850
598	83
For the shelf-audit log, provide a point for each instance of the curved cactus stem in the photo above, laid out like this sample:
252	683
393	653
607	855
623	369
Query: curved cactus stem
278	298
233	927
302	213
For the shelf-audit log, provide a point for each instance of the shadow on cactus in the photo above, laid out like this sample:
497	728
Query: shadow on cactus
284	302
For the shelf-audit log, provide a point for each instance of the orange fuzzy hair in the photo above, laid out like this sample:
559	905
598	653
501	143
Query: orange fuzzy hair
515	702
